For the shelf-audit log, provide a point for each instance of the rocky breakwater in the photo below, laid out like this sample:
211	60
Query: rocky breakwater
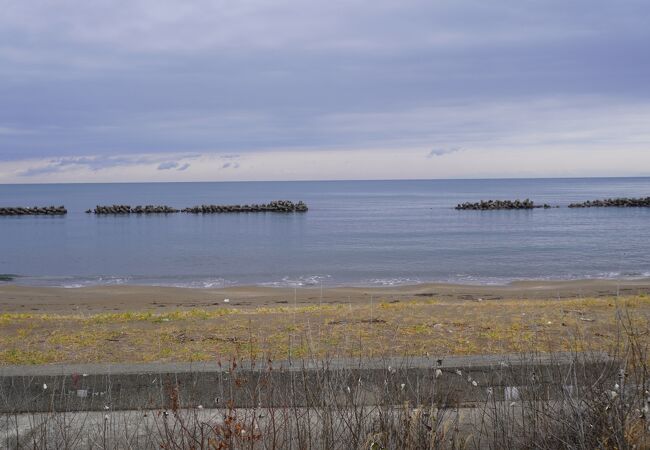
35	211
614	203
490	205
126	209
282	206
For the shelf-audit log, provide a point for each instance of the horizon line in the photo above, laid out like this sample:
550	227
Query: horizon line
331	180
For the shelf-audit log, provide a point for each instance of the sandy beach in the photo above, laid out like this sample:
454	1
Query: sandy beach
146	323
17	299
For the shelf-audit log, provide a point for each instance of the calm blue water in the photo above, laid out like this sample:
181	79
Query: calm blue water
356	233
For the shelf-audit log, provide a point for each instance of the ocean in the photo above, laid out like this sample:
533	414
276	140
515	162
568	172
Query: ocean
356	233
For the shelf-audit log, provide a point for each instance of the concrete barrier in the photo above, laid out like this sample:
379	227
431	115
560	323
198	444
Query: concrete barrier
35	211
126	209
281	206
447	381
490	205
643	202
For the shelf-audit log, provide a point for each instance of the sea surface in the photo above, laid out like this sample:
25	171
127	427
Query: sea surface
366	233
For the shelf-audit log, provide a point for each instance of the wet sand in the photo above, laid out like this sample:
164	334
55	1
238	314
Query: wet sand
16	299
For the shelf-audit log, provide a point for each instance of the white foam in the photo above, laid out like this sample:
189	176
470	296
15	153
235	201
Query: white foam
302	281
399	281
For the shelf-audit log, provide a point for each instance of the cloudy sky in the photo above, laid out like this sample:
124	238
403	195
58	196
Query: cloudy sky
157	90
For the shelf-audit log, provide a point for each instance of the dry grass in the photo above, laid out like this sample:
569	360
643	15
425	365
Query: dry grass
417	326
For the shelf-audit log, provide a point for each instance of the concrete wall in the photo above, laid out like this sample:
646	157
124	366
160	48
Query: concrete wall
450	381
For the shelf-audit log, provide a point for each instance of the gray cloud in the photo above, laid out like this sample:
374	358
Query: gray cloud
97	163
230	165
167	165
129	77
36	171
443	151
92	163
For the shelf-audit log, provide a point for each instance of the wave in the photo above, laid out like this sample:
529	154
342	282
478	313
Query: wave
303	281
300	281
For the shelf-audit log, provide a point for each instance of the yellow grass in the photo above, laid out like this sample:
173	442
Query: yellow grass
408	327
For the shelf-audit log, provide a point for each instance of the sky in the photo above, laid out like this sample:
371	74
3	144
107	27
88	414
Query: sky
214	90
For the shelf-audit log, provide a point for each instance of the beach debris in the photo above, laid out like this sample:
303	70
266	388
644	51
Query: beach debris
44	386
34	211
345	321
511	393
438	373
226	300
372	321
586	319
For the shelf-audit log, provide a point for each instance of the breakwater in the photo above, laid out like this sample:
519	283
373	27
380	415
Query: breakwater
284	206
126	209
489	205
614	203
35	211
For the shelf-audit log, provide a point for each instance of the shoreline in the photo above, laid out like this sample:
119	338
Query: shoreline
119	298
